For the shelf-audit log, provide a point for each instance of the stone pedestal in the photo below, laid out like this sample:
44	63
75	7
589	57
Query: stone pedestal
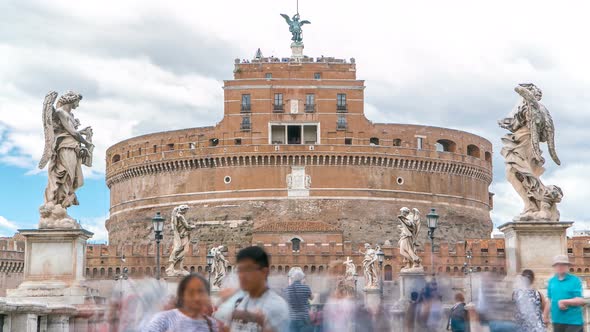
297	51
54	267
411	282
372	299
532	245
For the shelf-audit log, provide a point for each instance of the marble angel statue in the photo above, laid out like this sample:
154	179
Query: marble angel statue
219	267
181	229
530	124
66	150
408	242
370	267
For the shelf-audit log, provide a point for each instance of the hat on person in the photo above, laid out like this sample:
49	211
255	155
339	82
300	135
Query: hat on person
561	259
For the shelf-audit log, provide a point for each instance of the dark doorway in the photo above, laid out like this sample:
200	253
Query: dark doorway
294	134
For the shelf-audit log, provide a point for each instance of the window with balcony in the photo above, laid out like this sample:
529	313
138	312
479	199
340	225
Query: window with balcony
310	103
246	124
246	103
341	102
278	102
341	124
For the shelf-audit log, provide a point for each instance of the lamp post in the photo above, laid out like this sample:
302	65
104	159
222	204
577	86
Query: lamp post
158	223
355	277
380	256
432	221
469	270
209	264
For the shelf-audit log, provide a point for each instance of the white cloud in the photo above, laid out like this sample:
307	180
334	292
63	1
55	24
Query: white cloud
96	226
7	225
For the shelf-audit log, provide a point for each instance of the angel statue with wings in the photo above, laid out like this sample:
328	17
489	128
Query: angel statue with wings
530	124
66	150
408	241
295	27
219	267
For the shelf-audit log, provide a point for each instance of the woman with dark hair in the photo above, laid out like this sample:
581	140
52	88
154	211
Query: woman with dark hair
529	305
191	310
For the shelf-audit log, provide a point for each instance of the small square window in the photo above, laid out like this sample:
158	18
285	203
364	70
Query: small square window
171	147
268	76
192	146
317	76
238	141
348	141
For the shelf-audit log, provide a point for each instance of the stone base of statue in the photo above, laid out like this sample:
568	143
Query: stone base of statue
411	280
297	51
532	245
372	298
54	267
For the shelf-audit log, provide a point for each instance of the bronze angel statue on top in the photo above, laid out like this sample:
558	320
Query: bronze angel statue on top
530	124
66	150
295	27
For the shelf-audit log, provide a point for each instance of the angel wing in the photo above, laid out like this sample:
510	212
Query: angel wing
549	136
47	118
535	127
287	18
416	219
304	22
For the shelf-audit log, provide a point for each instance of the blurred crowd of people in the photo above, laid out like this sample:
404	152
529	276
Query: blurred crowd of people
498	304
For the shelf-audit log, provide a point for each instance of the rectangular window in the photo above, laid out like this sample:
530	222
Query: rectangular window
139	151
278	102
246	103
341	123
586	251
155	148
310	102
317	76
238	141
310	134
171	147
246	125
348	141
419	141
277	134
268	76
192	146
341	102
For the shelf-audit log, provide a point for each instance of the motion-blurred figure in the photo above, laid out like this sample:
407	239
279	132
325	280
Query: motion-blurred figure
298	296
191	310
530	304
494	305
458	315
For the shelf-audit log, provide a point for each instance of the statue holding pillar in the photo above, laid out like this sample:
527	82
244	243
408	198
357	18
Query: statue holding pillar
408	242
181	229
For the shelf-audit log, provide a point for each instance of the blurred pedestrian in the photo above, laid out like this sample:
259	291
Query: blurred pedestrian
458	315
260	309
530	305
298	296
410	316
494	304
189	315
565	294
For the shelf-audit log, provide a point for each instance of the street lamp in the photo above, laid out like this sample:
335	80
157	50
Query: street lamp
355	277
158	223
380	256
432	221
469	270
210	258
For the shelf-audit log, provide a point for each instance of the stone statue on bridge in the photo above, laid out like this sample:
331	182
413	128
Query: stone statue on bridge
219	267
408	242
181	229
66	150
370	267
530	124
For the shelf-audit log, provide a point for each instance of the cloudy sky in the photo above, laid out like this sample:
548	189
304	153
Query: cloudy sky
146	66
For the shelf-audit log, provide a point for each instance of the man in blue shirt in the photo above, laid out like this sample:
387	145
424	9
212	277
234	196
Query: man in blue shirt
298	296
565	293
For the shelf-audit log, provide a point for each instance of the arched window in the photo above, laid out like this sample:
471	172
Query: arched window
374	141
473	150
192	269
88	272
110	272
305	268
448	270
455	270
118	271
200	269
94	272
296	244
397	142
116	158
321	269
280	269
388	273
445	145
273	269
488	156
312	269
